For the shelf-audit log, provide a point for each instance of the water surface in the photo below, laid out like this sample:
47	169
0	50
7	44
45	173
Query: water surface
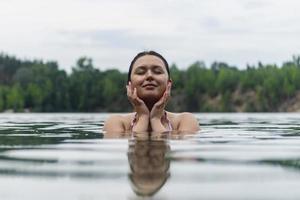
67	156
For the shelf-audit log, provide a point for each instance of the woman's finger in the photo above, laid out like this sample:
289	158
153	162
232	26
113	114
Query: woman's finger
135	98
134	95
167	97
161	101
169	88
129	94
168	92
128	91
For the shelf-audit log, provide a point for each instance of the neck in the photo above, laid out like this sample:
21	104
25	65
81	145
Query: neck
150	105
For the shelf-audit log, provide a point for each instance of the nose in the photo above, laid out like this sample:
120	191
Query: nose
149	75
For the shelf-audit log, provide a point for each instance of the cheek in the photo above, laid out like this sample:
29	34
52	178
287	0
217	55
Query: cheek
163	79
163	89
135	81
164	83
136	85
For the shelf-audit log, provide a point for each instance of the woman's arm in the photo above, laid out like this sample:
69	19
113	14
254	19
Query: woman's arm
188	123
141	124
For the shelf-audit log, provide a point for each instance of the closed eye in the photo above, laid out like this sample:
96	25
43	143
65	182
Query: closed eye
155	69
158	70
140	71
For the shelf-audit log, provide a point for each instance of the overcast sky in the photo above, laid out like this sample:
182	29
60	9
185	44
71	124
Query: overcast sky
111	32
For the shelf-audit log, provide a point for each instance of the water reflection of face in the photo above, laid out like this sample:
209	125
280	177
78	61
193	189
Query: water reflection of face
148	164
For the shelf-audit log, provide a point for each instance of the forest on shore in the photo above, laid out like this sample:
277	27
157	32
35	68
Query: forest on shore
38	86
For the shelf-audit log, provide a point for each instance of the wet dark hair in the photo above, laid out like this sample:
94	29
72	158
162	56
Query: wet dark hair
144	53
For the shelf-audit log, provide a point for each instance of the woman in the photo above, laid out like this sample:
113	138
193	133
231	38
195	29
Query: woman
148	90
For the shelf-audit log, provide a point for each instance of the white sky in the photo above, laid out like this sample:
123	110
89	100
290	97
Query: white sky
111	32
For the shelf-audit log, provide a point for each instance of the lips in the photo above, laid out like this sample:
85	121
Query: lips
149	85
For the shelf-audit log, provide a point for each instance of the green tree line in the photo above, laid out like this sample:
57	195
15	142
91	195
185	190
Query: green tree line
38	86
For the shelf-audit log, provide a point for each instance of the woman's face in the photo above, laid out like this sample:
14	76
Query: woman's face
150	77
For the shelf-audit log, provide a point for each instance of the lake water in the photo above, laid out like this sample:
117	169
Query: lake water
67	156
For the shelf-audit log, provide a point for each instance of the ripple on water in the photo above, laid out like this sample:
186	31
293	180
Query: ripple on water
234	156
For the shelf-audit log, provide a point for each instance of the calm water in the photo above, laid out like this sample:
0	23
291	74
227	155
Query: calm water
66	156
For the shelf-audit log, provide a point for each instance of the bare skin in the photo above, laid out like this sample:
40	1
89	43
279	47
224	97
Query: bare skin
148	92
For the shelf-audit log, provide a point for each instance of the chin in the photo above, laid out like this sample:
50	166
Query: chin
150	97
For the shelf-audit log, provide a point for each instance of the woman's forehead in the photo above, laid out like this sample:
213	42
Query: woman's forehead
148	60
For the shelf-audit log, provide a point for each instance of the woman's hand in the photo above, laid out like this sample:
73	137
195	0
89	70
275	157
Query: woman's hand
140	108
157	111
137	103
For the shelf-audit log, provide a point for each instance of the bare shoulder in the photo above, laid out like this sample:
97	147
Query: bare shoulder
184	121
181	116
117	122
186	116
